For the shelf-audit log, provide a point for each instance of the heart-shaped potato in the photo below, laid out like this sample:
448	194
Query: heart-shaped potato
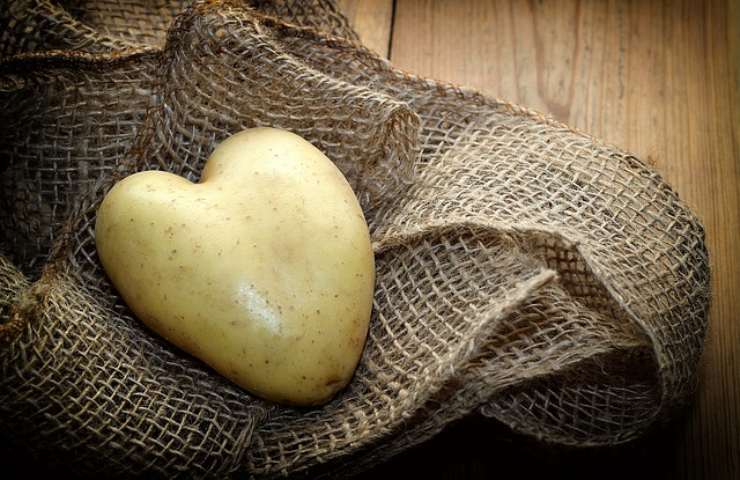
264	270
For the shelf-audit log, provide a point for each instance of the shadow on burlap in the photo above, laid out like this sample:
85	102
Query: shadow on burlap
525	271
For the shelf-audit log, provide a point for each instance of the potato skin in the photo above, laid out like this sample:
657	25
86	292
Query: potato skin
264	270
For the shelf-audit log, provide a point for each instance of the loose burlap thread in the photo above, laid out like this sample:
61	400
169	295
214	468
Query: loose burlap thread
525	271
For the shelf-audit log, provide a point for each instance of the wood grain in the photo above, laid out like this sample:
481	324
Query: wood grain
372	21
658	78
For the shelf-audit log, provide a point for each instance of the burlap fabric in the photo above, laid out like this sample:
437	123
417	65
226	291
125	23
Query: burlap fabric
525	271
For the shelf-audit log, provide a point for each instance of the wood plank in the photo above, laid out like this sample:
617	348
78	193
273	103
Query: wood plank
659	79
372	21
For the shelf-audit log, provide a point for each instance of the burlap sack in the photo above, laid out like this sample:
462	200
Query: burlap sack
525	271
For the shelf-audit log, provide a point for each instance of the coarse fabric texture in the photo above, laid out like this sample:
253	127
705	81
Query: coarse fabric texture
525	271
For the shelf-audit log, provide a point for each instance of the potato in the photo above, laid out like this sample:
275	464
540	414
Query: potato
264	270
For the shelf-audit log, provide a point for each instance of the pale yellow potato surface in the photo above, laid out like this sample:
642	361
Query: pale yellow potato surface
263	270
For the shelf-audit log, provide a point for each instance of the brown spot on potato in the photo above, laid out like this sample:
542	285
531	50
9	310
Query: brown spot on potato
332	381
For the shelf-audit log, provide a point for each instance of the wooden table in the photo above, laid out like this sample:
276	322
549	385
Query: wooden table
659	78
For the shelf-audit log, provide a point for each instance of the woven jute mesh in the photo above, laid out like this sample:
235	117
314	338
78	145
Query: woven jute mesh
525	271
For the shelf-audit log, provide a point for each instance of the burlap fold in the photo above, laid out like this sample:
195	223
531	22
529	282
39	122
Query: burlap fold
525	271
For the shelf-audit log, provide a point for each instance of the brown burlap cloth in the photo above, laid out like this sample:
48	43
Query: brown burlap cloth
525	271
